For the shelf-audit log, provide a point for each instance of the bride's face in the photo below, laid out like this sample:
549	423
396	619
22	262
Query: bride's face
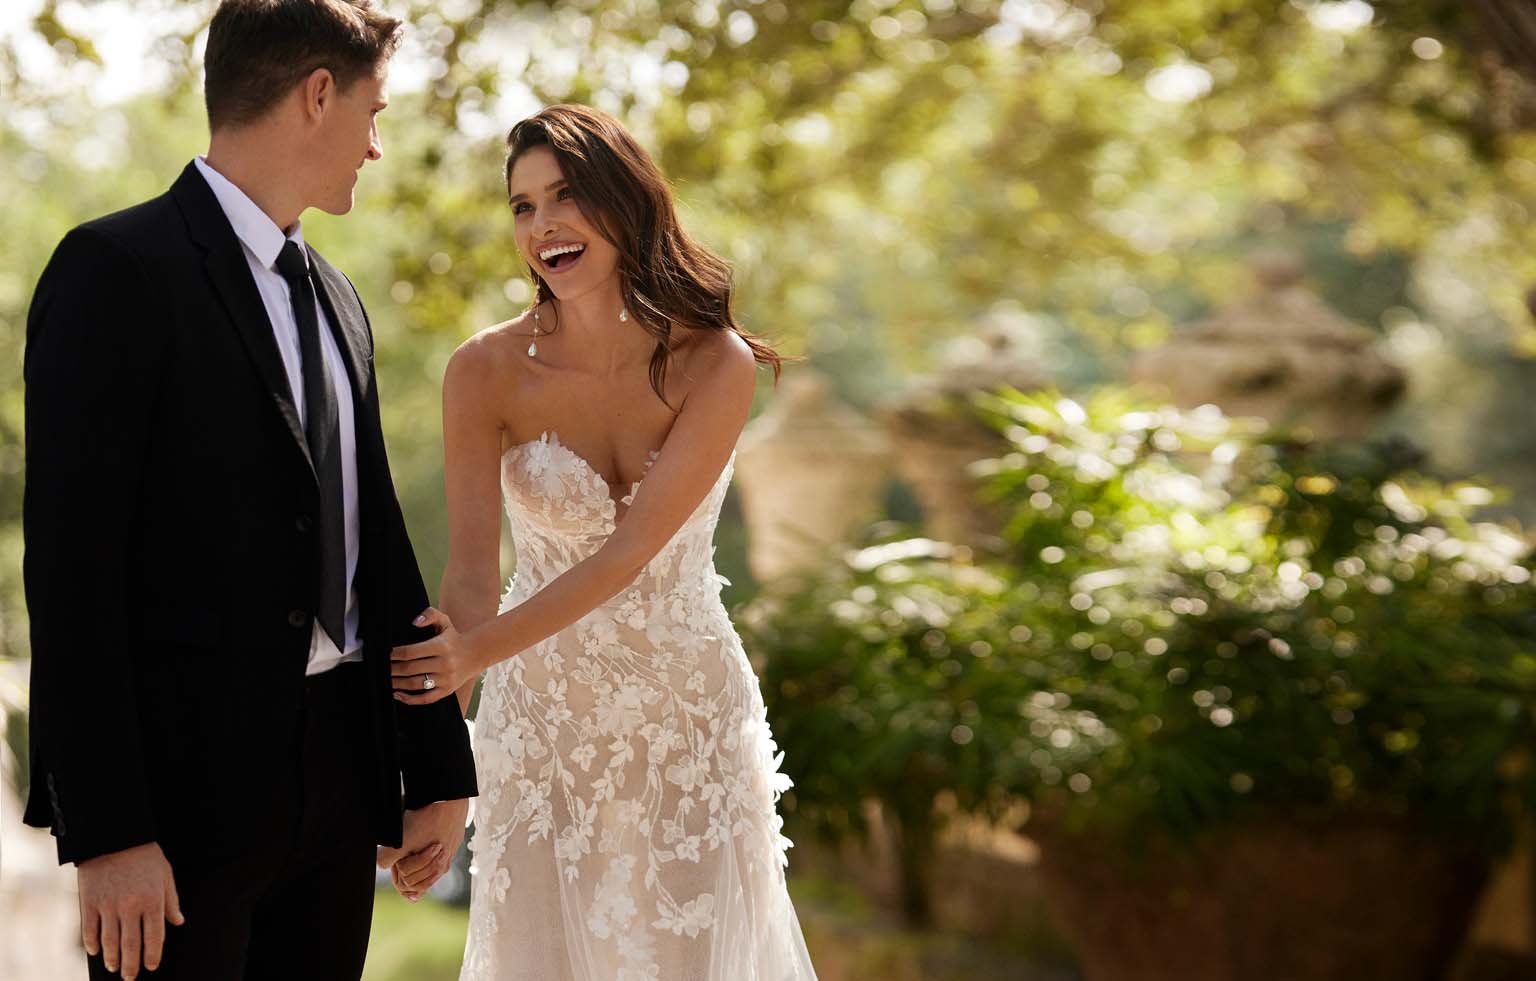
554	237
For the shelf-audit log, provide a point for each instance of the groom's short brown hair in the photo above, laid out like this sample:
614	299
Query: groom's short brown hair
258	50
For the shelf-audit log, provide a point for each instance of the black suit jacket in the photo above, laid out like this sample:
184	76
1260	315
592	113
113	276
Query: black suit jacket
171	565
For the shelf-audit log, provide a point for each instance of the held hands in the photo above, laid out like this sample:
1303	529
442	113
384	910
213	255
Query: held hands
432	837
432	833
125	899
436	668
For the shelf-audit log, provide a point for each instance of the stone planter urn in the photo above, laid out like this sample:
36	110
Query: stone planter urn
811	473
1280	354
1287	899
936	439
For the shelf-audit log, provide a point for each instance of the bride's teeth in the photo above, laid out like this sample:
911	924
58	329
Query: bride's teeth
561	250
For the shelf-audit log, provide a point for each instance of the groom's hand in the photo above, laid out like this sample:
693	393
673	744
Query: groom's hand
432	837
125	899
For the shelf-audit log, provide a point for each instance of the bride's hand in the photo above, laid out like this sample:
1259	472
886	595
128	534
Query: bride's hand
432	669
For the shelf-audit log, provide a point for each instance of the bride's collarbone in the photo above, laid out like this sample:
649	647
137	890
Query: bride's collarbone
615	423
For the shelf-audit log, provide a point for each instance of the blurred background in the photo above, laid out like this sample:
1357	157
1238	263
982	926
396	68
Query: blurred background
1135	562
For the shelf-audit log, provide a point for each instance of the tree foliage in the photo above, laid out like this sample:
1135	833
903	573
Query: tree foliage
881	173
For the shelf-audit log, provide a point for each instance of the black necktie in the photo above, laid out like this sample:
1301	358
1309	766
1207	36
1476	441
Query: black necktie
323	432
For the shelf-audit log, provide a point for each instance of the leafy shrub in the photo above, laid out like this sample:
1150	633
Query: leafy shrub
1192	621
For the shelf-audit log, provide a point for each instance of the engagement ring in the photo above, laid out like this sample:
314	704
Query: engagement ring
427	683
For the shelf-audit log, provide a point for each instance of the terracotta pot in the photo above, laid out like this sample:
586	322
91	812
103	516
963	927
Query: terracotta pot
1353	899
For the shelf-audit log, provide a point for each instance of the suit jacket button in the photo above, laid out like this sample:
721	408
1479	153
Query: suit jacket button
298	618
303	523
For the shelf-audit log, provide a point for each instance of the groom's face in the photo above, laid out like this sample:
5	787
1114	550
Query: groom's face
348	137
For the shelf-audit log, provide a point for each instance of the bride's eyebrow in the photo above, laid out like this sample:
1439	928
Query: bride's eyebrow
550	187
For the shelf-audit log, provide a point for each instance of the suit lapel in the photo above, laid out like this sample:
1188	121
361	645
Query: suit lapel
231	278
349	326
345	316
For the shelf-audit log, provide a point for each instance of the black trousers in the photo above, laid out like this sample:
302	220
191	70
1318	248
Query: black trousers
297	906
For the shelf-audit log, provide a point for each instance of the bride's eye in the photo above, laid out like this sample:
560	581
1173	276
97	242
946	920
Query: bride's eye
520	207
566	193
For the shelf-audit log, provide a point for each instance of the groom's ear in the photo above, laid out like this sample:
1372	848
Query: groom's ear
316	92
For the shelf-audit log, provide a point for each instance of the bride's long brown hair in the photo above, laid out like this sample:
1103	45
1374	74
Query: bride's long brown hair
667	280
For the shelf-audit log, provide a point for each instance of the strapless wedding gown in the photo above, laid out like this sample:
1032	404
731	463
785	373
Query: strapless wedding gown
626	825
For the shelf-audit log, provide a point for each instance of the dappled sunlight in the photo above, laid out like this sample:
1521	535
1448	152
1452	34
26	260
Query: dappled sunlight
1186	345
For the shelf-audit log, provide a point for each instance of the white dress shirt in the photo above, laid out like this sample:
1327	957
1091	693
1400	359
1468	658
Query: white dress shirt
262	240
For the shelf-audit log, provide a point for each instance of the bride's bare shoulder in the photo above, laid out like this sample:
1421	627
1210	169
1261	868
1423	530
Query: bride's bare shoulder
487	359
720	355
494	347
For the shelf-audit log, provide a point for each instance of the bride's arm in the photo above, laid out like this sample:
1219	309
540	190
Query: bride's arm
684	472
471	583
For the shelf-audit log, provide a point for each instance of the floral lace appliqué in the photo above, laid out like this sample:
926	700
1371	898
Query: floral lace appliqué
628	776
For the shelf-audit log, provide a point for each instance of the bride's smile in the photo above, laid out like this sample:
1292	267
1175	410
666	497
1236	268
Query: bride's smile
560	257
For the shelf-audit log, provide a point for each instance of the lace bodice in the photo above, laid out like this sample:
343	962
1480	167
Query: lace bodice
626	824
561	511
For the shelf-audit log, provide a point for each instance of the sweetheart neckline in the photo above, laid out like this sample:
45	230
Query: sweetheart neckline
551	438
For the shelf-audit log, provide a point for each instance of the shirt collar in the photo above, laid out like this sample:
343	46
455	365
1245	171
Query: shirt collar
252	226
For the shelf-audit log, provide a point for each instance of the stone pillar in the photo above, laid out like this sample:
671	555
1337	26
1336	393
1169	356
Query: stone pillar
811	473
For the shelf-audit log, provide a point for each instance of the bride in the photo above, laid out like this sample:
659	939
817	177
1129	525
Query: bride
626	824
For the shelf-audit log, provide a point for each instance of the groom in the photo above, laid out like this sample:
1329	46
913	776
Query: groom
216	564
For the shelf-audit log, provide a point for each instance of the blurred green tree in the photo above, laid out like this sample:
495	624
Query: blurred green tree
881	173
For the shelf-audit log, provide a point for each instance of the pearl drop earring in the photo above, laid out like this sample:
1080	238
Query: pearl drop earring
533	345
623	315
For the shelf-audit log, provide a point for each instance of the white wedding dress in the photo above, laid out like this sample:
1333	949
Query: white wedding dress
626	825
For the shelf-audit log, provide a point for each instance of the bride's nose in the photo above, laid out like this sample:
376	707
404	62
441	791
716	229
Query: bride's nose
543	225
